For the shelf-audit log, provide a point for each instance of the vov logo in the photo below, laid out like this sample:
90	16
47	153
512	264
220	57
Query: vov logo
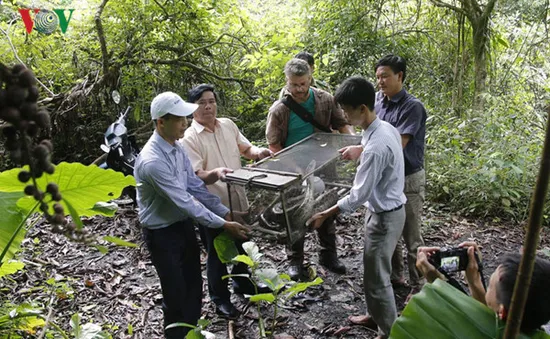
45	21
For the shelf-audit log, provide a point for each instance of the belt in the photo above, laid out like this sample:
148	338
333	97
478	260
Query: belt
393	210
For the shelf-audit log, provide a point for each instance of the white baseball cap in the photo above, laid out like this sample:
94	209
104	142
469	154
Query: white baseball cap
169	102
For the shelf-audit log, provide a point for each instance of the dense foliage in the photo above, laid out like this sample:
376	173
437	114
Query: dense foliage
481	159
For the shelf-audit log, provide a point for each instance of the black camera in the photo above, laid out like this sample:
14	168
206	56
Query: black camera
451	259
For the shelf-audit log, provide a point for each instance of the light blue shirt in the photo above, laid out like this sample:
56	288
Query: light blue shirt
380	178
168	190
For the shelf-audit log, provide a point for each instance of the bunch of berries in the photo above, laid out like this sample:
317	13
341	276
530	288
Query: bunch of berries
23	122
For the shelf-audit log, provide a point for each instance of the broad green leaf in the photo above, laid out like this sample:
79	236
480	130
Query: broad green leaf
270	277
101	249
10	218
29	324
443	310
74	215
87	331
269	297
107	208
202	323
118	241
225	247
81	186
252	250
300	287
23	317
10	267
244	259
195	334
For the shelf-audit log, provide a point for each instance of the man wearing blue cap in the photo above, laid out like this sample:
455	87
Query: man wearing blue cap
170	197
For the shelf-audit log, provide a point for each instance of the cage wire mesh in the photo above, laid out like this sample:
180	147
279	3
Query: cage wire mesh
326	178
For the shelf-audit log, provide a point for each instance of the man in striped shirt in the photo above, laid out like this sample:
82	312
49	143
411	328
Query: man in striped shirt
378	185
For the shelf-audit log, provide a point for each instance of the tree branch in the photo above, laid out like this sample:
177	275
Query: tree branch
489	8
440	3
476	7
16	56
101	35
190	65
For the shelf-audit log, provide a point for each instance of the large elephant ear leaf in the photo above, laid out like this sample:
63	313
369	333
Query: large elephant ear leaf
442	311
10	218
81	186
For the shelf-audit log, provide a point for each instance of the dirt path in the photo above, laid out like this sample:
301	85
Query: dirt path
121	291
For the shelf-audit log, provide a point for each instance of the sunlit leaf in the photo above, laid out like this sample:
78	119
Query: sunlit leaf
10	267
118	241
225	247
268	297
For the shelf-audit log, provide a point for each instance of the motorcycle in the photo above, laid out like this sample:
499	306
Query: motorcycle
120	150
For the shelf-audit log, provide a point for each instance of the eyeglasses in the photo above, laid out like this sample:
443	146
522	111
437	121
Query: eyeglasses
206	102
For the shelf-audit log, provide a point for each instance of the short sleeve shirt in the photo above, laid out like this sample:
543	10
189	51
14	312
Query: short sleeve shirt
219	148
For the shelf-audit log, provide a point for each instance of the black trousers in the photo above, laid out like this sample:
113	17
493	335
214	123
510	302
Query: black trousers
176	257
215	269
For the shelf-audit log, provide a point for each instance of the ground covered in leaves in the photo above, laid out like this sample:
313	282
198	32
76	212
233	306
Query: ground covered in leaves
120	290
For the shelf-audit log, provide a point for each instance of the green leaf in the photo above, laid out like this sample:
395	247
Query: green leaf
271	278
442	309
506	202
252	250
10	267
87	331
268	297
300	287
74	215
118	241
23	317
81	186
202	323
173	325
244	259
195	334
101	249
502	41
225	247
10	218
105	208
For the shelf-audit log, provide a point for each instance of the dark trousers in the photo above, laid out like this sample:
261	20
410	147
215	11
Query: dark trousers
176	257
215	269
327	240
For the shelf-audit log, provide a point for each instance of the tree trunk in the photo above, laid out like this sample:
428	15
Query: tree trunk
480	32
478	17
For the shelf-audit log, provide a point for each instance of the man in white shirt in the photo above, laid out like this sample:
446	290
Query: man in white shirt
378	185
215	146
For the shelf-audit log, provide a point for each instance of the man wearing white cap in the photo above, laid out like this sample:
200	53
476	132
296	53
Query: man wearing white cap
170	197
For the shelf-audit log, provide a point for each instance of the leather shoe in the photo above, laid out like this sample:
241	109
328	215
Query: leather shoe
331	262
227	310
296	271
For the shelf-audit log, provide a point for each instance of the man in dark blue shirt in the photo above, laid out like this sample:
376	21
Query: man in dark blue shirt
406	113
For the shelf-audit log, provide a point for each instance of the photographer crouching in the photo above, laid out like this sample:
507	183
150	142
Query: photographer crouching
435	262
